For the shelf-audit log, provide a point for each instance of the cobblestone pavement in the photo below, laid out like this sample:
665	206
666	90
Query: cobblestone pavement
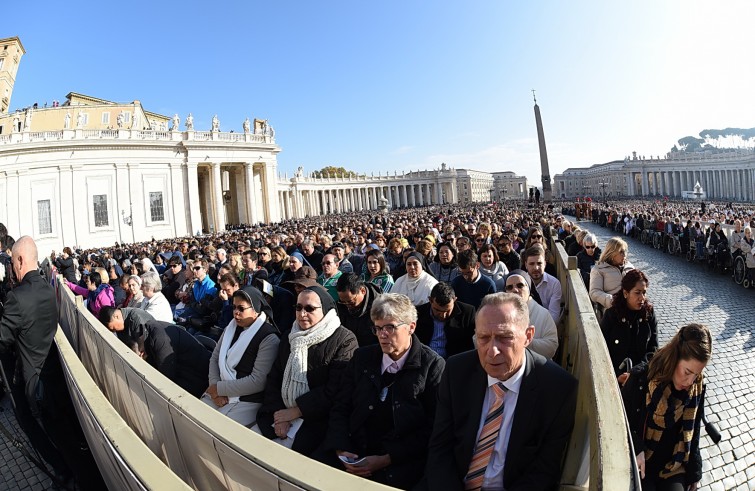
16	471
685	292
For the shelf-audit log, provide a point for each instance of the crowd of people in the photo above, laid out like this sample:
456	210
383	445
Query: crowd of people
386	344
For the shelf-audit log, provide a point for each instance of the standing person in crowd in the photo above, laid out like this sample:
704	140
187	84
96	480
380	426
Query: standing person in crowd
312	257
65	264
154	301
548	287
606	276
339	251
507	254
330	274
735	239
471	285
42	403
376	271
665	404
355	299
417	282
382	417
242	360
629	326
394	257
444	266
587	257
307	374
545	339
492	267
175	353
98	292
504	414
445	324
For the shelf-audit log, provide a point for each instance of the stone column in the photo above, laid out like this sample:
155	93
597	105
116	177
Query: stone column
195	214
217	188
404	199
644	183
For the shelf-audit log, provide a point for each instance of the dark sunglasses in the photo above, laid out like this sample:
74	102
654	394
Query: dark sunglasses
197	268
307	308
537	236
519	286
589	247
479	240
241	308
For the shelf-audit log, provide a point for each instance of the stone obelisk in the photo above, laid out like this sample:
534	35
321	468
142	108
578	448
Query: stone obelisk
547	191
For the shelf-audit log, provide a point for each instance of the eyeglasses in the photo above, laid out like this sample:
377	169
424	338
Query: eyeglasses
537	236
518	286
263	253
175	265
241	308
479	240
589	247
327	262
388	329
307	308
197	268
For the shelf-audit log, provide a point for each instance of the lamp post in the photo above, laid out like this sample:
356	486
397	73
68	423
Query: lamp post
603	185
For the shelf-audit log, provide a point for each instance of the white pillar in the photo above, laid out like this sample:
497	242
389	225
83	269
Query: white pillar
217	186
195	214
404	199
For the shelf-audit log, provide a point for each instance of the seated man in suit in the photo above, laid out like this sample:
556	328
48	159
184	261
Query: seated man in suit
504	414
445	324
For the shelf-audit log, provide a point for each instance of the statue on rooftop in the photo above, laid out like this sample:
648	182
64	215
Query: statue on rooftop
215	123
80	120
67	121
27	120
119	119
176	123
16	122
190	122
247	126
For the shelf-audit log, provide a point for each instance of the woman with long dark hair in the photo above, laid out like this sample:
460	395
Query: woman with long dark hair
376	270
664	401
629	326
444	266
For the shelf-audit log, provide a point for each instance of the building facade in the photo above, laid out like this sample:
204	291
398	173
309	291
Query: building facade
723	175
508	186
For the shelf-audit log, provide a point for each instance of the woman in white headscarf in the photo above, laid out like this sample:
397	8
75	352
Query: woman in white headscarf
418	282
306	375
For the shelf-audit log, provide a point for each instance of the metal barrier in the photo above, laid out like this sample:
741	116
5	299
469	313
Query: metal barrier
599	455
204	449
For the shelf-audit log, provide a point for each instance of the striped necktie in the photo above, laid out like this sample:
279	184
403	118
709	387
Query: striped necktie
486	441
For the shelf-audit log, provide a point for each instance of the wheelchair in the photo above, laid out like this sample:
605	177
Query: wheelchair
699	252
674	245
719	258
645	236
742	274
658	240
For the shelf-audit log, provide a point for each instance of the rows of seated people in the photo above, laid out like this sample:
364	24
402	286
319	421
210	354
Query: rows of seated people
370	343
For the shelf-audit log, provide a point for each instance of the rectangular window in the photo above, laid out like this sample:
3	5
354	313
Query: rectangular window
44	213
84	119
101	218
105	118
126	116
156	206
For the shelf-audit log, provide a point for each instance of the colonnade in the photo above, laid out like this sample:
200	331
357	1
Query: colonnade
734	184
310	199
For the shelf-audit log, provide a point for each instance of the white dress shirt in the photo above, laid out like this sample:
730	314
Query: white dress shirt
493	480
549	289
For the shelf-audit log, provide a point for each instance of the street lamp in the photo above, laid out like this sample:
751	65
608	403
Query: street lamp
603	185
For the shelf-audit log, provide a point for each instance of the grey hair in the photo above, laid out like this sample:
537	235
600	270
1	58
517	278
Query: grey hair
522	317
591	239
151	280
393	306
136	278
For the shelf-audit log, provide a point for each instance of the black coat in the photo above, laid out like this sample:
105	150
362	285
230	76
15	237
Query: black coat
512	260
629	336
459	327
177	355
634	394
413	396
29	322
540	430
66	267
360	322
326	363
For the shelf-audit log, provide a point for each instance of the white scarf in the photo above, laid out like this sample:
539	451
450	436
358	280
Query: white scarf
230	356
295	376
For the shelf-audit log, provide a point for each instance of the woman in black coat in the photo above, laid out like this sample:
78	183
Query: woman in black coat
306	376
629	326
383	416
66	265
664	400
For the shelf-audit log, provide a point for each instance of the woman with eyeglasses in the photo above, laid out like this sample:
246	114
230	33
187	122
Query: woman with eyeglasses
587	257
376	272
242	359
664	401
417	283
609	271
545	341
629	326
306	375
382	417
444	266
491	267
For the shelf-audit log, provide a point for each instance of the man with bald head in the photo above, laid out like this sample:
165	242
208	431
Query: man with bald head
39	389
504	414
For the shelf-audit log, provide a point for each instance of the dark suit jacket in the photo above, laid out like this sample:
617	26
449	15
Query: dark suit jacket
459	327
542	424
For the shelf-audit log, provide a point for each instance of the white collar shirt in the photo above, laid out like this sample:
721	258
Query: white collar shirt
493	480
391	366
549	290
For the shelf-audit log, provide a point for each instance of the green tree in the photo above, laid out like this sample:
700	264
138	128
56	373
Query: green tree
333	171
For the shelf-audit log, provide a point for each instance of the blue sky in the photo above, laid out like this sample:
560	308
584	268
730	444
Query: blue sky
407	85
